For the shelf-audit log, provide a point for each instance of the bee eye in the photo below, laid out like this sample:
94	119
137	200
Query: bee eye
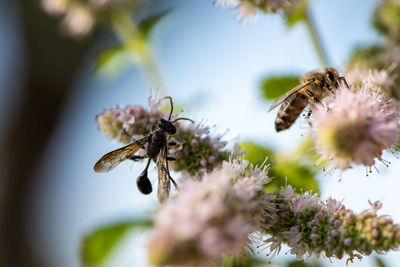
330	75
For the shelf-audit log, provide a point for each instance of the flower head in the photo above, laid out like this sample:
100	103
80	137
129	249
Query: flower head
209	217
325	227
376	80
381	58
80	17
198	150
136	121
357	127
247	8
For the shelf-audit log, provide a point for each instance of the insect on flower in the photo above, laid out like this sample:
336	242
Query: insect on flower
156	146
314	86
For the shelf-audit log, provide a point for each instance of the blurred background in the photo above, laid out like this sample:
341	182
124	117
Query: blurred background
52	87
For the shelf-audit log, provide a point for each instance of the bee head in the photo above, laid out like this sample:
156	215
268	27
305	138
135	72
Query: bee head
332	77
167	126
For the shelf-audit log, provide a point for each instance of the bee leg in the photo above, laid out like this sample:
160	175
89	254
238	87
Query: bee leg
171	158
137	158
344	81
314	98
308	114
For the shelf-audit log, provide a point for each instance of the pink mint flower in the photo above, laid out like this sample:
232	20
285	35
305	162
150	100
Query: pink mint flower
201	151
376	80
210	217
196	151
357	127
247	8
324	228
136	121
80	17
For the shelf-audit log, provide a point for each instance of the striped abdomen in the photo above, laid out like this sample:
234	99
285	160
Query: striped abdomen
290	111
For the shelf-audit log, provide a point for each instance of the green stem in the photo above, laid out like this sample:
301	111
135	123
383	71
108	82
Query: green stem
315	38
133	41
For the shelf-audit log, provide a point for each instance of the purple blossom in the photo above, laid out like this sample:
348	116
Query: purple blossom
321	228
197	151
247	8
374	79
209	217
201	151
357	127
80	17
135	120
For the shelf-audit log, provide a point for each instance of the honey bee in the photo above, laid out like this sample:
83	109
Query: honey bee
156	150
314	86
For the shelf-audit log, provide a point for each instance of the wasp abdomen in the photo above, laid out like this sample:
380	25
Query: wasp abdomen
290	111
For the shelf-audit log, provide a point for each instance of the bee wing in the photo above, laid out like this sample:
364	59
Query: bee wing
282	98
164	184
111	160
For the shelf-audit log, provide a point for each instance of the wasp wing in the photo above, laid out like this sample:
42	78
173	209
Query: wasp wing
164	184
111	160
282	98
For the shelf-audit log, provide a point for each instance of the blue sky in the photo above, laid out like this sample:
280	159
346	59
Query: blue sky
212	66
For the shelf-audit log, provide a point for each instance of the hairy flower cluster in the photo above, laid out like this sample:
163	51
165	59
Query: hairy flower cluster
79	17
355	127
312	227
199	151
210	217
378	81
129	122
196	150
381	58
247	8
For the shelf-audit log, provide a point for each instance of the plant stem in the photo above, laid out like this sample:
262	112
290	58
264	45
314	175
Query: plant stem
315	38
134	42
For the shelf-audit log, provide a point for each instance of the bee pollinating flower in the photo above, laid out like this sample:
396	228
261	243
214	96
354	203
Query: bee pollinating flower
357	127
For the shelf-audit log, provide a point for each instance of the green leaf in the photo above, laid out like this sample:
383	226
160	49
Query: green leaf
147	25
273	87
99	245
243	261
303	264
379	262
371	56
284	169
113	60
106	56
299	175
299	14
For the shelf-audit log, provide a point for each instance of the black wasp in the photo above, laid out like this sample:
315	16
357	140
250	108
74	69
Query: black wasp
156	150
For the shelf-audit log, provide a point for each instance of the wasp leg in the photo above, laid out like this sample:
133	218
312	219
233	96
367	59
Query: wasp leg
173	182
172	143
127	134
137	158
171	158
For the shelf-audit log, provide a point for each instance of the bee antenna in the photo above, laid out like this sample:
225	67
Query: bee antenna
186	119
344	80
172	105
